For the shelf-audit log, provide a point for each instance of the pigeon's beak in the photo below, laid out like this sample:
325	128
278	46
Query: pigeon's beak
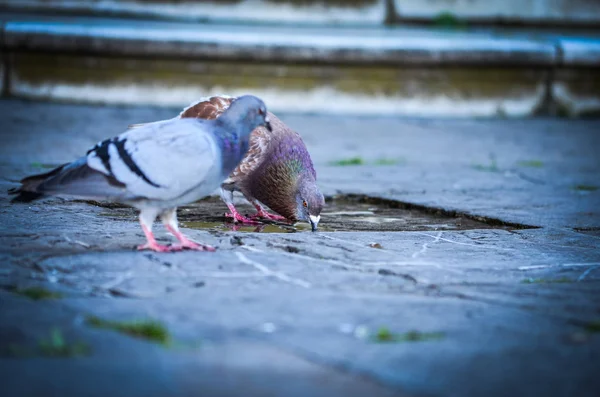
314	221
268	124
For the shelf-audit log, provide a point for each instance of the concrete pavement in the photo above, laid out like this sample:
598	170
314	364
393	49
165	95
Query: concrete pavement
474	312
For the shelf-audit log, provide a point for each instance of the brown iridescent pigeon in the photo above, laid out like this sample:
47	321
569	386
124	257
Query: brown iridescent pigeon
276	172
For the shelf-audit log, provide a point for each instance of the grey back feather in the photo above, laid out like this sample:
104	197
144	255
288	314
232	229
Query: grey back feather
160	162
157	162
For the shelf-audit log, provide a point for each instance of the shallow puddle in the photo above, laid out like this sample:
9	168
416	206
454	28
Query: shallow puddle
262	228
344	213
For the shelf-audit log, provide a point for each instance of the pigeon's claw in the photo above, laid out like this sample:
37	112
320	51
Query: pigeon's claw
184	242
263	214
238	218
192	246
154	246
266	215
151	243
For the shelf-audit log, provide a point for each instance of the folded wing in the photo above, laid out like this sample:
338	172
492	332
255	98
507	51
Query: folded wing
157	162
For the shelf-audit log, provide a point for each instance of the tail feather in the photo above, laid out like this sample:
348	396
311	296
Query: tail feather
27	192
41	177
72	179
24	197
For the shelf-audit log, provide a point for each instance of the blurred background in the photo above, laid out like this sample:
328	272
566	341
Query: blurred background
459	251
457	58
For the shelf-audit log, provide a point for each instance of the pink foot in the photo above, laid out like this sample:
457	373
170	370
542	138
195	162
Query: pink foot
192	246
266	215
237	218
262	214
151	243
186	243
154	246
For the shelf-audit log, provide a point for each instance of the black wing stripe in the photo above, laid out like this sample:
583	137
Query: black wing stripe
126	157
101	150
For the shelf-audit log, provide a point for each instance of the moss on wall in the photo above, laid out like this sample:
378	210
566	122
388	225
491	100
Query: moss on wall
459	82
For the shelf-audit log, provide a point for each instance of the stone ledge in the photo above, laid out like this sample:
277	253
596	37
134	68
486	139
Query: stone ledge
580	51
552	13
505	12
389	46
304	88
338	12
324	45
420	72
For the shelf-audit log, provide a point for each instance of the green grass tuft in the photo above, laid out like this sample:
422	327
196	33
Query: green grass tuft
144	329
57	346
349	161
42	165
388	161
384	335
585	188
38	293
531	163
593	326
449	21
15	350
561	280
492	167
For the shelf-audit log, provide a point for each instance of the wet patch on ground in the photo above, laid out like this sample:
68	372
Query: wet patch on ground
341	213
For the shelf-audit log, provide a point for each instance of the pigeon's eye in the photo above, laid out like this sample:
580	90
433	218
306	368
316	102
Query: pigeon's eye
261	112
304	203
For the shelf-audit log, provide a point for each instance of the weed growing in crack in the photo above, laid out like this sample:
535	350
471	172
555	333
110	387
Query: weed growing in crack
151	330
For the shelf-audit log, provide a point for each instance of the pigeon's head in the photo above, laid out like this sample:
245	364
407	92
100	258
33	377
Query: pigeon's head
251	111
309	202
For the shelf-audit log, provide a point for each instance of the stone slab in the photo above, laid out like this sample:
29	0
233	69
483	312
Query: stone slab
513	306
353	12
523	12
399	46
305	88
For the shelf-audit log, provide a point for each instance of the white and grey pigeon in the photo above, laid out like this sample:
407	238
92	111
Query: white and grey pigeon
157	168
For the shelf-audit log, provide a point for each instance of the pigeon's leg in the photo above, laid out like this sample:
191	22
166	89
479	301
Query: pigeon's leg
147	218
227	197
262	213
169	219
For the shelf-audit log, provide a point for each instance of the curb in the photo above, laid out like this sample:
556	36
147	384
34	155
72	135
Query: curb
522	13
332	45
419	72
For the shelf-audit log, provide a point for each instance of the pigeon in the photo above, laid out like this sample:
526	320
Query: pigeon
157	168
277	171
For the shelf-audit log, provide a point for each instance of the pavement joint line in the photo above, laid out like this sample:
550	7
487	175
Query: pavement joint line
416	264
363	268
311	260
467	244
230	275
346	241
268	272
428	235
425	245
587	272
113	283
535	267
77	242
